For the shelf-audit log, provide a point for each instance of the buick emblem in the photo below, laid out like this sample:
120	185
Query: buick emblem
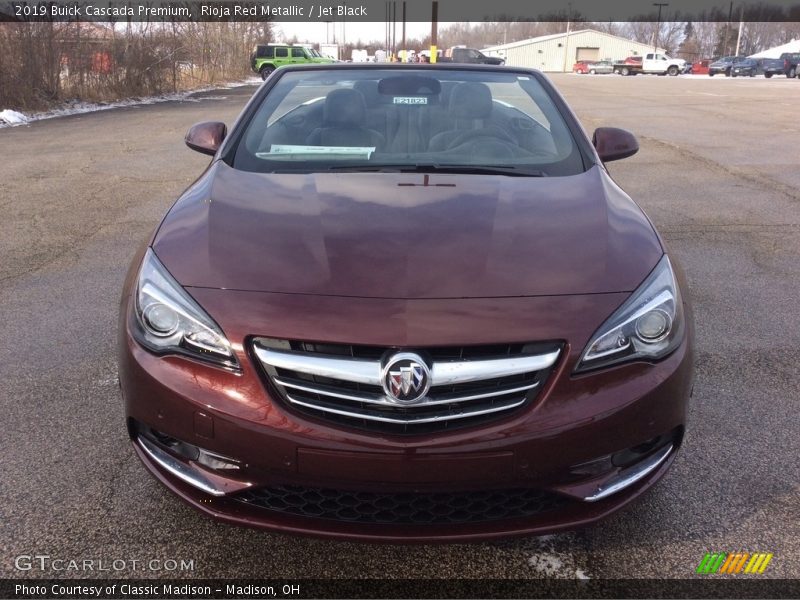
406	378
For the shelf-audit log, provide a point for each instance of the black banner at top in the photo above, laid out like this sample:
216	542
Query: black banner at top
377	10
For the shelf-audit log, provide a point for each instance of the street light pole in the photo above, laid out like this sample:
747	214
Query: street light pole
660	5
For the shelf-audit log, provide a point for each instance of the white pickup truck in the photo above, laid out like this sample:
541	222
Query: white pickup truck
654	63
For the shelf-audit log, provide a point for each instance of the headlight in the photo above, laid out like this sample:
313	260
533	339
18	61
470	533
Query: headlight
648	326
171	322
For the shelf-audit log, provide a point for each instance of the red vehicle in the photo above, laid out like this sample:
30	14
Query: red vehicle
700	67
350	329
581	67
633	60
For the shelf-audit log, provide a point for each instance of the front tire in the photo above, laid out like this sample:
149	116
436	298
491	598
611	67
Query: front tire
767	75
266	71
673	71
792	73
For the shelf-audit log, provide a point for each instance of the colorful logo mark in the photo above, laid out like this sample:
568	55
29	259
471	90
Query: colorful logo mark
732	563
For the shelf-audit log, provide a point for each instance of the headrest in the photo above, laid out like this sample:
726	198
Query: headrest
368	89
447	90
471	100
344	107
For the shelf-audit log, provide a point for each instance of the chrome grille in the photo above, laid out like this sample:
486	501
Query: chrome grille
342	383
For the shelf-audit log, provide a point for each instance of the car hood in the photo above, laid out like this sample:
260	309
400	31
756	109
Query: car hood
398	235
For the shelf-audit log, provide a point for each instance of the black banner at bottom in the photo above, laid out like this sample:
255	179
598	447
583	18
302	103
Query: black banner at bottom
399	588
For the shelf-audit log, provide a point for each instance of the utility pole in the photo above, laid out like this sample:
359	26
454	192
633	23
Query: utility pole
741	27
727	29
434	29
660	5
566	38
404	58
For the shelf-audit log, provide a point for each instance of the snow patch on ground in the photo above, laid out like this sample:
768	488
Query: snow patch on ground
11	118
547	564
548	560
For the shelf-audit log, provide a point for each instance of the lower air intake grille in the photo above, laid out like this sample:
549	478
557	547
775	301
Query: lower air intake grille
457	386
403	508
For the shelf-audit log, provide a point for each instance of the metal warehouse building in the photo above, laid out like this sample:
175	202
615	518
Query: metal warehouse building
559	52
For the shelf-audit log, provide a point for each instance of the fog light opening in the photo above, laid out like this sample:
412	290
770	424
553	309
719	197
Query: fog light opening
207	458
630	456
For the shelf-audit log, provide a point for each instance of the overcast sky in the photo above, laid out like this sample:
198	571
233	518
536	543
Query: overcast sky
353	31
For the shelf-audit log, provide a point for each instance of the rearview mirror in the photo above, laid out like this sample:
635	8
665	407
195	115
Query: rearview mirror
612	143
206	137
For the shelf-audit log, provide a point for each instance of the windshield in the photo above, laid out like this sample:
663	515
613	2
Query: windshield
408	119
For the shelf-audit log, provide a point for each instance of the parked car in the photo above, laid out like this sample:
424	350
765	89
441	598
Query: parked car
723	65
748	67
701	67
581	67
771	66
350	329
266	58
653	63
601	67
790	61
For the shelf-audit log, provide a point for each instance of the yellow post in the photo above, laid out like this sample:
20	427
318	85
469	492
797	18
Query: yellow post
433	54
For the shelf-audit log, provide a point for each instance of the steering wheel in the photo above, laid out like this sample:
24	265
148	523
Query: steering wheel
474	134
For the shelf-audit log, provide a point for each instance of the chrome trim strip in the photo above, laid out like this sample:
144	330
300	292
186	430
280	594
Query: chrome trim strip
346	369
630	476
383	401
369	371
177	468
409	421
448	373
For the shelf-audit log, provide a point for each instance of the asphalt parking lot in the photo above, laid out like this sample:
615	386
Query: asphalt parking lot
719	174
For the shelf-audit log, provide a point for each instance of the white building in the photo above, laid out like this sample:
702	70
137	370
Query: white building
793	46
558	52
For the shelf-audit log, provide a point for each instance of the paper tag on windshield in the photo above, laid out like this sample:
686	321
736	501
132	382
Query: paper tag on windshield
332	151
410	100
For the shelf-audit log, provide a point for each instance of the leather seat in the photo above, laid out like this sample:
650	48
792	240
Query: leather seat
344	122
470	109
380	117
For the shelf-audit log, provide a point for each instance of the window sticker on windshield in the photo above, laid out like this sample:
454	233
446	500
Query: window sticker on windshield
287	151
410	100
523	77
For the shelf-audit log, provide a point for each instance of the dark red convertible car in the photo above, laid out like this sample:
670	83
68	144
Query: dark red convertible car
406	303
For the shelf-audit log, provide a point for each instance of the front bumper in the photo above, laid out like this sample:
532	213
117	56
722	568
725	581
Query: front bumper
560	447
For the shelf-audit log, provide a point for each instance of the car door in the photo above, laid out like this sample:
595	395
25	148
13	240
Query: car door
298	55
282	56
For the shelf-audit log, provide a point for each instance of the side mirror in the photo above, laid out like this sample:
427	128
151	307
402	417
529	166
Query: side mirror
613	144
206	137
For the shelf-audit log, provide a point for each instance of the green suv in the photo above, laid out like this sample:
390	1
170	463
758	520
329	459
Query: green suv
267	58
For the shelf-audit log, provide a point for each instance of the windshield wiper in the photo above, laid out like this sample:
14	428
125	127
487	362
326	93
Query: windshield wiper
513	171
